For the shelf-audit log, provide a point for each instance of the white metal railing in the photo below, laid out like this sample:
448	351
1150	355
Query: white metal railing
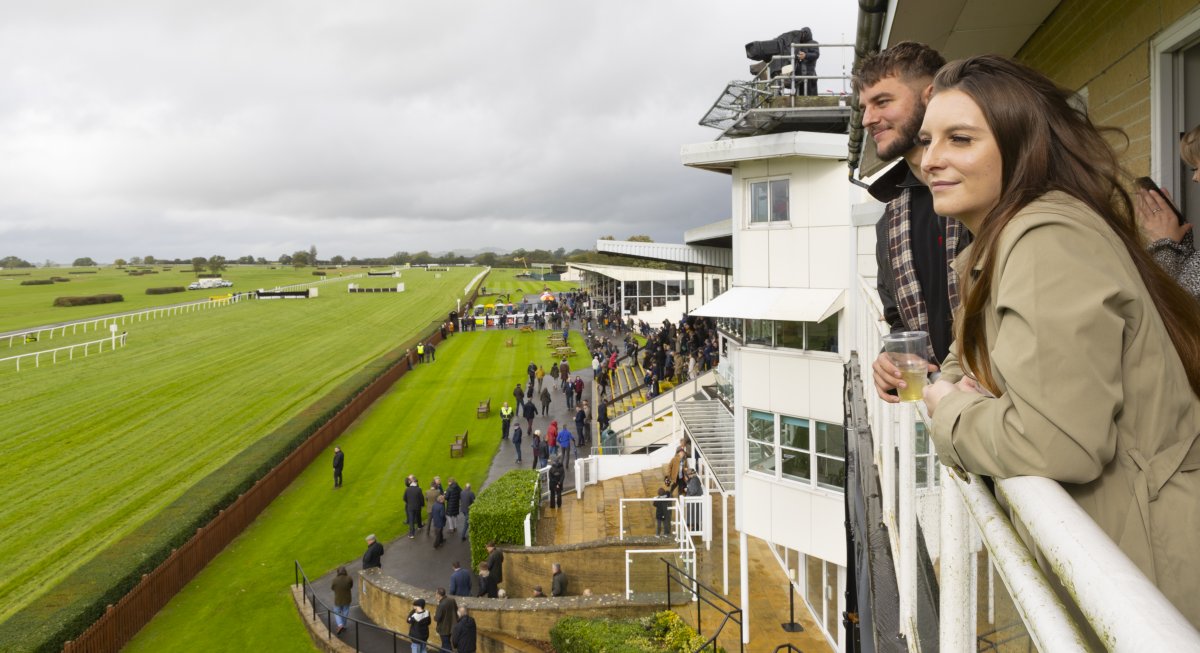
113	342
658	405
685	549
102	323
650	500
327	279
1118	603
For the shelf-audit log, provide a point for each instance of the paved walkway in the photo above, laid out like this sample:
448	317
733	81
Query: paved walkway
415	561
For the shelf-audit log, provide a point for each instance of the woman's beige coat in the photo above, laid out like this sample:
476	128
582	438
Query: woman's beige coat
1092	391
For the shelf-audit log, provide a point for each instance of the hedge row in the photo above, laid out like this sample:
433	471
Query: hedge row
498	514
37	282
87	300
662	632
6	273
59	279
165	290
208	276
138	273
319	273
79	599
82	272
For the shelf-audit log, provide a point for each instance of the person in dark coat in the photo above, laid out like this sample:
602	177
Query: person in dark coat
545	397
460	581
487	583
806	63
519	396
529	411
453	504
431	495
445	616
557	474
413	502
339	459
495	562
662	512
462	637
437	521
516	441
558	581
342	597
468	498
418	626
373	558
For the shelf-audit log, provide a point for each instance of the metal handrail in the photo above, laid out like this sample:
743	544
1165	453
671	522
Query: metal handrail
308	593
730	611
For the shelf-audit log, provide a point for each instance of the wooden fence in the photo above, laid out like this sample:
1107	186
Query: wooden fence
124	619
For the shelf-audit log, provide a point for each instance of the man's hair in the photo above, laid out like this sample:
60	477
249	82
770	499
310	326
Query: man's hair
1189	147
441	591
457	565
907	60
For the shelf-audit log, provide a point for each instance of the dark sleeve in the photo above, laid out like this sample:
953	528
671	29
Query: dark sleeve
811	55
885	282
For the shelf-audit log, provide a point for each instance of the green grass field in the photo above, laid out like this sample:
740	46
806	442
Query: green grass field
31	306
241	600
94	447
504	281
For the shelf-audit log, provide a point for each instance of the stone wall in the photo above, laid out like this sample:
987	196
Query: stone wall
598	565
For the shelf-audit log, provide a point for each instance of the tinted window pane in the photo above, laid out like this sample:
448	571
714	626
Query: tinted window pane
761	457
814	583
760	426
644	288
660	288
797	465
758	202
793	432
779	200
831	439
822	336
630	288
789	334
759	332
831	613
831	473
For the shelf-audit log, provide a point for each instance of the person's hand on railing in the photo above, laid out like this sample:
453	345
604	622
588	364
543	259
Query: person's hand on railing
935	392
887	377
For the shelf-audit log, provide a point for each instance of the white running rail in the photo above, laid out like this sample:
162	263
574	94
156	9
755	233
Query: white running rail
98	345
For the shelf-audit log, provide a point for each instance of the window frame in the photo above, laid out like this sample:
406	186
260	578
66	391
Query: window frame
771	184
813	482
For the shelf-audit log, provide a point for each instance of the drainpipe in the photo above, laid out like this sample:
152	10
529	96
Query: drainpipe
871	16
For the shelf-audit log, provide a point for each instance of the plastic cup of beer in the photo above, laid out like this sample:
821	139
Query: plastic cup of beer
907	351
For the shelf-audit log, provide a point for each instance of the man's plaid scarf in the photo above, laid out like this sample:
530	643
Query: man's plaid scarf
908	290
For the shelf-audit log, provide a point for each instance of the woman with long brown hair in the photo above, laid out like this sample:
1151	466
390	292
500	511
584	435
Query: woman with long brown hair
1077	358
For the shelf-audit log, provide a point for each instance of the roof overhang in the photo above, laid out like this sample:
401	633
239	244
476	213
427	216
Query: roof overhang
785	304
724	155
716	234
715	257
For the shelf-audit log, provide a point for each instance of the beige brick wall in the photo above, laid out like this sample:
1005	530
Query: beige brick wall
1104	45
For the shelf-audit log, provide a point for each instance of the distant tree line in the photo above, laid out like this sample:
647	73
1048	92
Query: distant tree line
215	264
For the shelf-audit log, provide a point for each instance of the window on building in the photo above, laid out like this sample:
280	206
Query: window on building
810	451
809	336
760	434
769	201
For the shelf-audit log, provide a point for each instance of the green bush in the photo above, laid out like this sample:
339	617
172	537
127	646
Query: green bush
80	598
88	300
498	514
165	290
37	282
82	272
208	276
319	273
59	279
662	632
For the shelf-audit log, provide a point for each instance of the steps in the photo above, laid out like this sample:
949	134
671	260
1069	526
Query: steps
711	428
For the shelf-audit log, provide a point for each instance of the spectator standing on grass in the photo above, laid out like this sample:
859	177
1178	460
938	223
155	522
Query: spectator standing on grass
453	504
421	352
445	616
531	371
506	415
418	626
460	581
339	459
558	581
468	498
516	441
545	396
373	558
413	502
342	584
432	351
529	411
462	637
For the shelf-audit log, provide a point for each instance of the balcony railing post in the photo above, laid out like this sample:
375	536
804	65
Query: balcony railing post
956	613
906	507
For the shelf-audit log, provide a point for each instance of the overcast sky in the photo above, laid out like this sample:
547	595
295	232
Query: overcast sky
180	129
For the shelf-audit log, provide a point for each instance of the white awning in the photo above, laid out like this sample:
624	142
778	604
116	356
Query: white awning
788	304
